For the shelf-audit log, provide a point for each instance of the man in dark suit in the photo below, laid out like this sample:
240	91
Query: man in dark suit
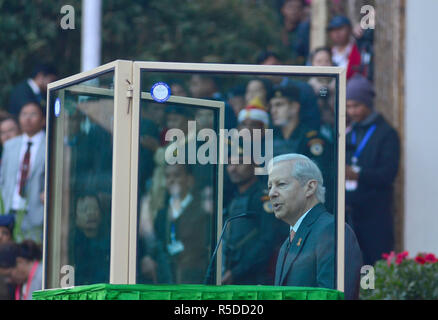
307	257
32	89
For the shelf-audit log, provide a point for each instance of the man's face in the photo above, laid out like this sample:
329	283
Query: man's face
31	119
177	180
292	10
357	111
340	36
287	196
5	235
239	173
8	130
88	215
43	80
283	111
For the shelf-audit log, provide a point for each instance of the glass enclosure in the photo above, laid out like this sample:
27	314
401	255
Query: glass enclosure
148	161
81	140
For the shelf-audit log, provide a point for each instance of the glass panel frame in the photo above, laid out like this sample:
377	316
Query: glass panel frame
125	144
338	73
120	196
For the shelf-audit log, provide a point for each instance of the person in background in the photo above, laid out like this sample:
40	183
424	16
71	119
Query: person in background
236	98
91	240
182	231
258	87
250	244
309	114
32	89
345	52
28	270
22	174
9	128
7	223
325	90
8	256
372	156
207	87
296	30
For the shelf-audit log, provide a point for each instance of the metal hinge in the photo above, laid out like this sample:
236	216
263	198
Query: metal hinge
129	94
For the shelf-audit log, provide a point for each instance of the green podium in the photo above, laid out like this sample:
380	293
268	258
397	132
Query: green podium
187	292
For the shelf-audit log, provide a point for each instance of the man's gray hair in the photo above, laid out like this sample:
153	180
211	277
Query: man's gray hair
303	170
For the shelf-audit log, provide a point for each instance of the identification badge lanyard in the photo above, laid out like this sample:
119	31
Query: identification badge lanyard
362	144
28	284
175	246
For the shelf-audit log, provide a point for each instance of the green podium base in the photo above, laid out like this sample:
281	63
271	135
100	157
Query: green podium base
186	292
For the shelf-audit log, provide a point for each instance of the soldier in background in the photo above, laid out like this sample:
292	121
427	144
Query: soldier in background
293	136
251	244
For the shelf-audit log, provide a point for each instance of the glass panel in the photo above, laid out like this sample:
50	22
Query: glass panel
80	163
293	114
177	201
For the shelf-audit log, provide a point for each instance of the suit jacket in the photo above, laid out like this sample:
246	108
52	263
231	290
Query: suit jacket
32	224
192	228
309	261
21	95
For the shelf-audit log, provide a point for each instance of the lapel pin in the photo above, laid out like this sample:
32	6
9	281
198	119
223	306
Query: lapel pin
299	242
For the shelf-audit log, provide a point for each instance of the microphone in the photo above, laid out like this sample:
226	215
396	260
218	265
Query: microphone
250	214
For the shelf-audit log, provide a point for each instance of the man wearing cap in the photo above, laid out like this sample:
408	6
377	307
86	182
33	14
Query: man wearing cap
309	113
292	136
372	155
345	52
251	244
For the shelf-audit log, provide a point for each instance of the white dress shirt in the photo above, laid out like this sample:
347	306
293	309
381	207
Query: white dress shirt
18	202
34	86
298	223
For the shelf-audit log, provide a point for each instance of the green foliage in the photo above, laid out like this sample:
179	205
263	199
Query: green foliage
404	279
227	31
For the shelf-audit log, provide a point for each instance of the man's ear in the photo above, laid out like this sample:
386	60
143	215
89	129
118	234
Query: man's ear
311	187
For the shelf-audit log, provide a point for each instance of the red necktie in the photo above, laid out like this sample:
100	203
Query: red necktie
291	236
25	169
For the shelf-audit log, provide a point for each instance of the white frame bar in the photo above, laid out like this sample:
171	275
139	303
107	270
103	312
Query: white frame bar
338	72
121	160
138	95
125	144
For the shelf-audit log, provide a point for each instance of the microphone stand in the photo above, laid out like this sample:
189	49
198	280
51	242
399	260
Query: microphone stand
213	257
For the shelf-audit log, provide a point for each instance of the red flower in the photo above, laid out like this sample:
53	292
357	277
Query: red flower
400	257
389	257
430	258
420	259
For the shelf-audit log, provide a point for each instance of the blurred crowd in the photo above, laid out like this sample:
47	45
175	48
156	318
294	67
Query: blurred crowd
177	201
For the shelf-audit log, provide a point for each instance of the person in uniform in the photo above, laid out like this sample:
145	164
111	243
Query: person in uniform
251	243
293	136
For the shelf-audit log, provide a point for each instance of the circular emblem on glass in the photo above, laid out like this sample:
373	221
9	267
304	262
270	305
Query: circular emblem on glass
160	92
57	107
